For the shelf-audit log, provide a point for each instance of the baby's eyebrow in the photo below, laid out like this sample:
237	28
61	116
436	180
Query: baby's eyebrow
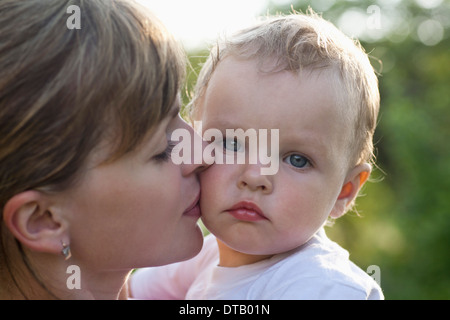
219	123
315	145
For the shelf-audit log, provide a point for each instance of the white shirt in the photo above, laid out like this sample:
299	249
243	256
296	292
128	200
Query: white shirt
319	269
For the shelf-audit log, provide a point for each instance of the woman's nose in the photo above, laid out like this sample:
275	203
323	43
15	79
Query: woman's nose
196	163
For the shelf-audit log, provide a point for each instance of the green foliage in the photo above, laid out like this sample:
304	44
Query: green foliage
403	218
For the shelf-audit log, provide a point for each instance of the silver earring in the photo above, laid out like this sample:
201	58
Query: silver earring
66	251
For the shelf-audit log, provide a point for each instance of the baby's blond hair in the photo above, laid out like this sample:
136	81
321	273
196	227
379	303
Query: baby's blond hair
306	41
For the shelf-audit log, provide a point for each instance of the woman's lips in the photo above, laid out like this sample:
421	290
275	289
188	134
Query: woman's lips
194	209
246	211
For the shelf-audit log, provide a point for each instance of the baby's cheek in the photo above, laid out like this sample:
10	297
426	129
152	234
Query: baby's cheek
218	177
211	185
298	215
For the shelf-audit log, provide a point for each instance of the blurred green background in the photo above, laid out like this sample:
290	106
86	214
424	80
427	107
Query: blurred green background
403	219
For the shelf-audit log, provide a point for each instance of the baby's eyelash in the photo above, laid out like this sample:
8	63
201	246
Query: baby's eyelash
298	161
165	155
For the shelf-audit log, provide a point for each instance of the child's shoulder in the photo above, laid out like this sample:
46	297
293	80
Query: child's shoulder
320	269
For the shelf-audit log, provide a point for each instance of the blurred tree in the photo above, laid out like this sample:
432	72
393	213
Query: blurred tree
403	218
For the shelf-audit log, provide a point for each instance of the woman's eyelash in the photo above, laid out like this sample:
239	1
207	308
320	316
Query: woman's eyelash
165	155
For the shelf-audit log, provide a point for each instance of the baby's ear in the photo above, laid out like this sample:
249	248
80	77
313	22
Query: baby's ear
354	181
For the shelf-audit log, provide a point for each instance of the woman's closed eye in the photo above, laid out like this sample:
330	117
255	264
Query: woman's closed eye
165	155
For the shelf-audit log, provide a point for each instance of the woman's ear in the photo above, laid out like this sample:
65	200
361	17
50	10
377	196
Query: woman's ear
30	218
354	181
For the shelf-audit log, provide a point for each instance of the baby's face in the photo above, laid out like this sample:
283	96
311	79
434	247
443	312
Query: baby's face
269	214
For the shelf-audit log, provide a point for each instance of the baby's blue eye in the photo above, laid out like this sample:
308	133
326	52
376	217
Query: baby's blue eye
297	161
231	144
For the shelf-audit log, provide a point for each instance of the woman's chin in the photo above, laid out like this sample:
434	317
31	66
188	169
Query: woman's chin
191	247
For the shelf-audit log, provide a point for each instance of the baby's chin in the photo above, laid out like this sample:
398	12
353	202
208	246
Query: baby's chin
268	247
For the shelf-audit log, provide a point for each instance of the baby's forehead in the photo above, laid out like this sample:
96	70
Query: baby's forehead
267	73
239	87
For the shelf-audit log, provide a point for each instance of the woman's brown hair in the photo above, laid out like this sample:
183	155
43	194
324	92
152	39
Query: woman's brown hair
62	90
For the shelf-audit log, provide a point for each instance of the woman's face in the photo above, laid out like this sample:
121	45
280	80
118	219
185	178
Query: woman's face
136	211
